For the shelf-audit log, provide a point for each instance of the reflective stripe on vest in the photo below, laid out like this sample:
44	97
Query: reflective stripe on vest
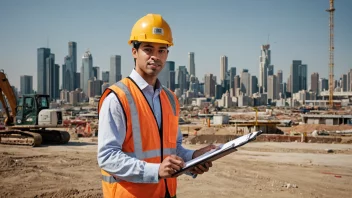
137	140
171	99
110	179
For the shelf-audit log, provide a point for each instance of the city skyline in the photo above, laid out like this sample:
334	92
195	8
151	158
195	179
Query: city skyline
309	41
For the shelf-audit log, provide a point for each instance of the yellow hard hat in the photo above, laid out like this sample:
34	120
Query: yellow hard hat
151	28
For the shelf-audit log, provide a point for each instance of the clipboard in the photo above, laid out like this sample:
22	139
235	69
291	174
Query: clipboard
223	150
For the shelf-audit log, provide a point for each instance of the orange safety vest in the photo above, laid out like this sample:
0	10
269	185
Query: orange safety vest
142	139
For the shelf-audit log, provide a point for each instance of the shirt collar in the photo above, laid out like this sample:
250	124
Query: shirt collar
141	83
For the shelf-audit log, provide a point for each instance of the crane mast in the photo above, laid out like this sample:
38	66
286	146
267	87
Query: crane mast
331	52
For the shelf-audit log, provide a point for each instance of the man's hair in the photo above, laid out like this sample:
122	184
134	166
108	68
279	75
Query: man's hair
136	45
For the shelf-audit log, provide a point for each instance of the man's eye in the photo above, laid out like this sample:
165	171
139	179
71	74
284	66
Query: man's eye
147	49
161	51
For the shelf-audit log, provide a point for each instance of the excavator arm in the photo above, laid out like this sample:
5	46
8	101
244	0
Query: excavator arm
7	91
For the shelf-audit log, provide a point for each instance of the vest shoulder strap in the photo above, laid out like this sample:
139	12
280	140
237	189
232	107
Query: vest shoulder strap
171	98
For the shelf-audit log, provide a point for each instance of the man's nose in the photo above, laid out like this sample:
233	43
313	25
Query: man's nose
154	56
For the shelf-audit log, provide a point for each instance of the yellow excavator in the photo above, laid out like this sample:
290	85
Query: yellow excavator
28	118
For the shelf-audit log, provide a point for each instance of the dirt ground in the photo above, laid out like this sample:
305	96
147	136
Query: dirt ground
266	169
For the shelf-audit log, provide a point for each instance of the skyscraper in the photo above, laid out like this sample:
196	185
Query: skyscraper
323	84
56	92
314	82
271	70
105	76
68	74
302	76
280	86
264	62
209	85
191	64
254	85
232	76
194	85
69	68
86	70
77	80
236	84
72	53
279	76
52	77
272	87
42	55
349	80
96	72
94	87
344	82
26	83
298	76
115	69
223	67
245	82
181	78
167	75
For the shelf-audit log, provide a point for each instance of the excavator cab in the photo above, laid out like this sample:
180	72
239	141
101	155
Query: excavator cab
28	118
28	108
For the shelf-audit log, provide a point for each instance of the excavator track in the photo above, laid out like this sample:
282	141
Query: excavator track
33	137
18	137
53	136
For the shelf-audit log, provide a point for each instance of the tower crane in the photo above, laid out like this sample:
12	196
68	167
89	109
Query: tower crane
331	10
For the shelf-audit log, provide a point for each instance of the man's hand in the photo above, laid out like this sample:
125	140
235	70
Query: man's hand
170	165
200	169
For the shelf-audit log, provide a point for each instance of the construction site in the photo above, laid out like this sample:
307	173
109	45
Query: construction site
304	151
292	159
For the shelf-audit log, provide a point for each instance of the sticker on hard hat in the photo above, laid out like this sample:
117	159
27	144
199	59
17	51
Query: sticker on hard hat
159	31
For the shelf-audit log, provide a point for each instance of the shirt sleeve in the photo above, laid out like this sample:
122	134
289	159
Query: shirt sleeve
182	152
185	154
111	158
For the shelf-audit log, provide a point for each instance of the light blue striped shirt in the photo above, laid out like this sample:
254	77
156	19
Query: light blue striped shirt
112	132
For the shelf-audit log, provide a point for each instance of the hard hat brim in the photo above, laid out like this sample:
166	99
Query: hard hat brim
152	41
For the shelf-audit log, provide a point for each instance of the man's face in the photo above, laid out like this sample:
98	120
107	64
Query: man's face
150	57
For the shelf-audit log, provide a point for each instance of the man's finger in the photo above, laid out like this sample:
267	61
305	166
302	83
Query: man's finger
207	164
177	162
170	172
203	168
197	170
175	167
176	157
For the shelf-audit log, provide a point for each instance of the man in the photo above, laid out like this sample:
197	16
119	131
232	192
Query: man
139	143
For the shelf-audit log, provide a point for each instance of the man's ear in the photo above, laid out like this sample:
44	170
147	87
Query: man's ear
134	52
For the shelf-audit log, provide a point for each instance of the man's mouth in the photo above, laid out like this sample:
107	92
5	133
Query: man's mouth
154	65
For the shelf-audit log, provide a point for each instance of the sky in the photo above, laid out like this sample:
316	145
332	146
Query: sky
295	29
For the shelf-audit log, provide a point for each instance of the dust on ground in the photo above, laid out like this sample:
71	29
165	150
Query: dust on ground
257	169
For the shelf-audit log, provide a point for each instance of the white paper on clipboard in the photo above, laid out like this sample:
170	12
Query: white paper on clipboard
221	148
